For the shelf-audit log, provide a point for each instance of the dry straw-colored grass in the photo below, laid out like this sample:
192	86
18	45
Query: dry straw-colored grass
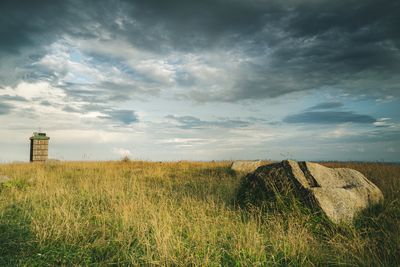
177	214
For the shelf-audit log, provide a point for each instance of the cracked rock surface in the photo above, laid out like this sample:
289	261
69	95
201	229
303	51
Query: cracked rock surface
341	193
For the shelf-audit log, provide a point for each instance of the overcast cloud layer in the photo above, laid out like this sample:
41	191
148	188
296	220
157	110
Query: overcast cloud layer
211	79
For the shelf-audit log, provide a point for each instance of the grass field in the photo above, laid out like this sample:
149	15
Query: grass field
178	214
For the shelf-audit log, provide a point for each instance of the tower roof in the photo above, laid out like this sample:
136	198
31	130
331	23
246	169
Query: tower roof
39	136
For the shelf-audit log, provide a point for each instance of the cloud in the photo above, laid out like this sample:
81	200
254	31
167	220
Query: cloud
122	152
256	49
287	48
124	116
191	122
46	103
326	105
71	109
328	117
391	150
389	136
384	123
13	98
187	142
103	111
5	108
84	65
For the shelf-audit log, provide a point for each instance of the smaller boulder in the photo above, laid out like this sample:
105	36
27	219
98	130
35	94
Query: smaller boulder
247	166
4	179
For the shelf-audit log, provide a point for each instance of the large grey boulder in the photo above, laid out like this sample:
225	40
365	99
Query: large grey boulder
340	193
247	166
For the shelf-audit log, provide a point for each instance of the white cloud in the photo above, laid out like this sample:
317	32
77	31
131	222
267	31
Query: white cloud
122	152
384	122
391	150
38	90
157	70
338	132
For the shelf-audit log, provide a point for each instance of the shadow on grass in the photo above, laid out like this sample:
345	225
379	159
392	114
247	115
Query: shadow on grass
380	224
16	240
19	246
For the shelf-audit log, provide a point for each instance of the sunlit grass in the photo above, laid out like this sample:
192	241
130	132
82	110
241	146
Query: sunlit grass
177	214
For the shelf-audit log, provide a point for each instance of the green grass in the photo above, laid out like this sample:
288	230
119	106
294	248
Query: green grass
178	214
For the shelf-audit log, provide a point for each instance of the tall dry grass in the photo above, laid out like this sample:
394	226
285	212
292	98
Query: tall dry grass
176	214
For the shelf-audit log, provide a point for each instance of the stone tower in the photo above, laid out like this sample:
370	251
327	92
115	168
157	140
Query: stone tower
39	147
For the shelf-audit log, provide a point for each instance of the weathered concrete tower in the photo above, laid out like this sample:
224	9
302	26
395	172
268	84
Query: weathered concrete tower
39	147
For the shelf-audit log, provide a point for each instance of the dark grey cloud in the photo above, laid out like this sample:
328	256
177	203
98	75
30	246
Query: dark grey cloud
13	98
122	116
384	135
289	46
195	25
191	122
25	27
326	105
376	135
310	45
5	108
210	22
383	126
71	109
23	22
83	92
120	91
328	117
46	103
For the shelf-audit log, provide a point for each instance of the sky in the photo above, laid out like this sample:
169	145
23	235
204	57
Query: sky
201	80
